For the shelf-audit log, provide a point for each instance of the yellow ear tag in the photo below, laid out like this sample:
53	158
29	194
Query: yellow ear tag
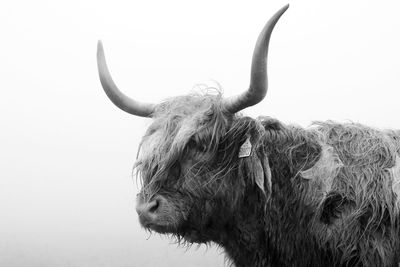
245	149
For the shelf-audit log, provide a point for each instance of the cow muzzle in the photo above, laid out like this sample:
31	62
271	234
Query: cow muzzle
150	211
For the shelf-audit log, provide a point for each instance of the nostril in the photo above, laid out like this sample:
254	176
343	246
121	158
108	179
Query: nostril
153	206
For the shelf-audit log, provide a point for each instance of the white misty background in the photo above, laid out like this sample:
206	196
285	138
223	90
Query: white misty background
66	192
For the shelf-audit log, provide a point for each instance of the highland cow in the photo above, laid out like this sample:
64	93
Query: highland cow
270	194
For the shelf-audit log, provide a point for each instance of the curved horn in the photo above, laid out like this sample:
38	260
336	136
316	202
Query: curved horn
116	96
259	80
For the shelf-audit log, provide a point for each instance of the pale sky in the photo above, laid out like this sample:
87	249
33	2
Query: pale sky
66	192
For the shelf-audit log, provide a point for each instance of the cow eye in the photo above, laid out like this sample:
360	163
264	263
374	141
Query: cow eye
197	145
192	144
175	170
202	148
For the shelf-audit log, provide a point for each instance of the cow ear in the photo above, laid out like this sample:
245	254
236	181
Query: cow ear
267	174
262	174
259	175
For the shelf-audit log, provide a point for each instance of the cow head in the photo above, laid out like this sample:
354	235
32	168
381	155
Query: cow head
190	157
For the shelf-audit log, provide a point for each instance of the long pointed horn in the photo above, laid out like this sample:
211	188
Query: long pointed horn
116	96
259	80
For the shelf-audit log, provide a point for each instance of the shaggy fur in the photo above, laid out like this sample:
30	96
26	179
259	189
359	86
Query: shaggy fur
323	196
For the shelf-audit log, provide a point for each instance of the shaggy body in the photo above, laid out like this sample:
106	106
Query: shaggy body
322	196
333	200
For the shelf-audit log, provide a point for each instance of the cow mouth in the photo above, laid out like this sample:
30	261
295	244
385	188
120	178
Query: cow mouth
179	225
189	234
161	228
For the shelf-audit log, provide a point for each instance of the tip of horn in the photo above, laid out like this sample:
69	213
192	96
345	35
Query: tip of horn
282	10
